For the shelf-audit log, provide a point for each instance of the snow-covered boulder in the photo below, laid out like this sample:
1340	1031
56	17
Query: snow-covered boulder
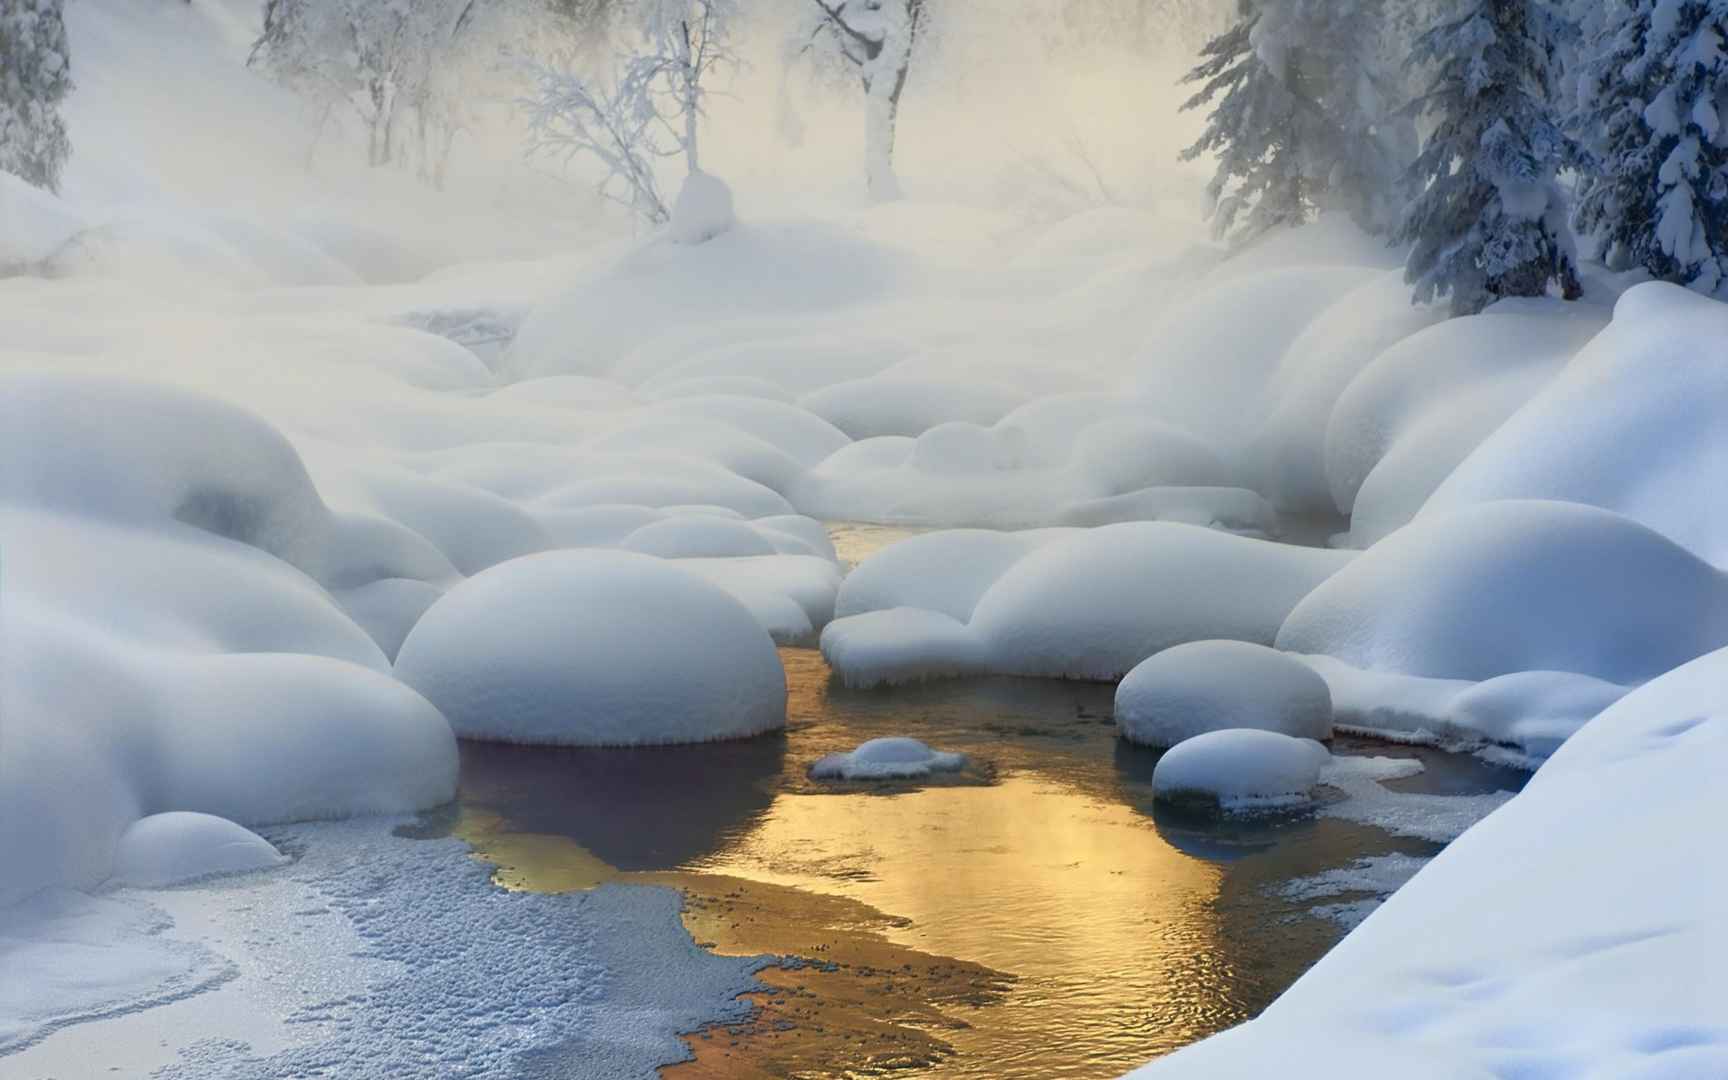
177	847
1240	771
595	648
703	209
1215	685
1634	424
887	759
1517	586
697	536
901	645
1095	604
944	571
904	405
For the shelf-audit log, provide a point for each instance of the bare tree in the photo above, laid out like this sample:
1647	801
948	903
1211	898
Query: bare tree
877	38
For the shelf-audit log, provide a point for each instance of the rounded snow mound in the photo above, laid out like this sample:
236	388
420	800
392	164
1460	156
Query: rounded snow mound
698	536
1517	586
595	648
901	645
890	404
1207	686
703	210
887	759
1240	771
173	848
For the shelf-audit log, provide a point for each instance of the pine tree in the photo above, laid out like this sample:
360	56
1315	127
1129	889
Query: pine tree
1299	122
35	75
1656	192
1257	131
1488	219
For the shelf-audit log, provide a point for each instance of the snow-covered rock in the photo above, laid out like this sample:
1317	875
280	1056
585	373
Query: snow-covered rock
903	405
592	648
894	646
697	536
1240	771
1215	685
703	209
887	759
173	848
1517	586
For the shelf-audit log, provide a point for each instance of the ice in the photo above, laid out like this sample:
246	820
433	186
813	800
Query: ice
887	759
1240	771
595	648
702	211
1505	587
1216	685
175	848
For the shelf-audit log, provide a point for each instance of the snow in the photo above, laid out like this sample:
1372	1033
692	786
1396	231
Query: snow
891	404
702	211
697	537
33	224
1207	686
595	648
1240	771
887	759
894	646
1515	586
1611	963
1632	425
175	848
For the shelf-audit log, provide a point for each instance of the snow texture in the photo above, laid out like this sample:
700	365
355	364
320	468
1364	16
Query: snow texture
1240	771
175	848
887	759
1215	685
595	648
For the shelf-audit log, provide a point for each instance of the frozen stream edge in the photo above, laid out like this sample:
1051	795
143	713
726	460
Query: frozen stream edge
383	956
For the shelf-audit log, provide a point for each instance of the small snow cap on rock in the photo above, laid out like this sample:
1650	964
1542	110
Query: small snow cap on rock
595	648
887	759
1240	771
169	849
703	210
1207	686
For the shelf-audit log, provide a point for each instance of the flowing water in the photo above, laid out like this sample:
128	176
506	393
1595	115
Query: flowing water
1033	916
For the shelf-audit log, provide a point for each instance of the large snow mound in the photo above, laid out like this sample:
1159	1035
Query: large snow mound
595	648
1517	586
1634	424
1095	604
174	848
886	759
1214	685
902	645
1240	771
703	209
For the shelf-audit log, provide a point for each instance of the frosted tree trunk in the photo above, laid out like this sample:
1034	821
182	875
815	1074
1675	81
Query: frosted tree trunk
881	116
692	93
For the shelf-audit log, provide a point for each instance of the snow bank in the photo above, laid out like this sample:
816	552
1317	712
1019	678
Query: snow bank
886	759
1409	418
1207	686
1634	425
34	224
1517	586
174	848
1240	771
591	648
1554	957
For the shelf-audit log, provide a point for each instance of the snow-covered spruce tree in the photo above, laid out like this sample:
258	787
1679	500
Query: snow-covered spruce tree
877	39
1487	219
1655	191
1257	129
35	75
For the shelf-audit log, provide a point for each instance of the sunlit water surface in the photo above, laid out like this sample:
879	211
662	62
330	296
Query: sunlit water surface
1031	917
